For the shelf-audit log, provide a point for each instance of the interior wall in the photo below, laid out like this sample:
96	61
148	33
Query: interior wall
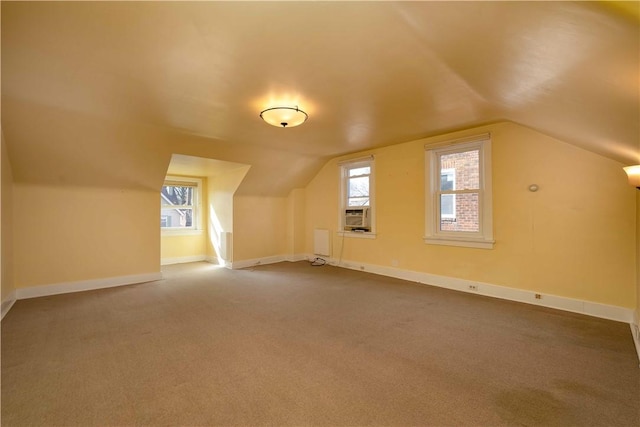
222	187
6	219
638	256
295	232
575	237
66	234
259	227
176	246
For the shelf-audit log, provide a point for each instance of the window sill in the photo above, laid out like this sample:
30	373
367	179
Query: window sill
357	234
178	232
466	243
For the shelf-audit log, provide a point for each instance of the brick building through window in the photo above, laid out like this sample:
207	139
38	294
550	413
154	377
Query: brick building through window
459	171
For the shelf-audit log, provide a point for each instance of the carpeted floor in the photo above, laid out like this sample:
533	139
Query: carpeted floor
292	344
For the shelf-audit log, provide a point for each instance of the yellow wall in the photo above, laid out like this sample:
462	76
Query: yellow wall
65	234
575	237
188	245
259	227
6	216
220	208
638	256
182	246
295	231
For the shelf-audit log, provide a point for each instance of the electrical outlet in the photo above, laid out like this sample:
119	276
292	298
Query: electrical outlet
473	287
538	296
362	267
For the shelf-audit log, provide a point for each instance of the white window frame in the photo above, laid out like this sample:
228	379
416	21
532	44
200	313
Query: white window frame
196	227
483	238
344	168
161	221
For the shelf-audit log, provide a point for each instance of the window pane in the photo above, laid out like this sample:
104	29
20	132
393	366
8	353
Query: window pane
358	201
359	187
177	195
360	171
460	169
460	212
176	218
448	179
448	205
165	220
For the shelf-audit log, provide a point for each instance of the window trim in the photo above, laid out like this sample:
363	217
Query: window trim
196	228
343	168
483	239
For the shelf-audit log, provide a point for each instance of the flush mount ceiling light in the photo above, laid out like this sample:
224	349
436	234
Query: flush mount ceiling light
284	116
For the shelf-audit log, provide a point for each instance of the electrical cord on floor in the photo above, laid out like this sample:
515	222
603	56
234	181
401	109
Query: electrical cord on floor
318	262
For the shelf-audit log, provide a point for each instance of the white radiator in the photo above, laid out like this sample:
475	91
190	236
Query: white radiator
321	242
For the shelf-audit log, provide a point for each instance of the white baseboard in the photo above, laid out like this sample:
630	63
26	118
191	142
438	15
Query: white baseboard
217	261
258	261
594	309
183	259
635	332
296	258
7	304
85	285
267	260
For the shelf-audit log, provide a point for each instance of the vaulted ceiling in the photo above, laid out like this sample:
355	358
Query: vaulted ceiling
89	84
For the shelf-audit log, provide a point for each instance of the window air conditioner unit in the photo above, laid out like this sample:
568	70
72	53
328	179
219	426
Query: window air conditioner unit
357	219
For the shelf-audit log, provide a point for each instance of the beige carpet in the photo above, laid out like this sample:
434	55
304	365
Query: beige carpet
291	344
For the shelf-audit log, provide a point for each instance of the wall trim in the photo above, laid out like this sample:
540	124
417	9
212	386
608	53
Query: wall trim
7	304
635	333
235	265
85	285
299	257
211	259
610	312
183	259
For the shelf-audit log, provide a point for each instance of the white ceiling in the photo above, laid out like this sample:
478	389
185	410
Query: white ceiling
367	73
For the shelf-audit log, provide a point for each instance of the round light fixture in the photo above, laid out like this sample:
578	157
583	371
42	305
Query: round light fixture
284	116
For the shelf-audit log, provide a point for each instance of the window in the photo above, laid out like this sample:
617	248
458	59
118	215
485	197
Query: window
356	201
458	199
180	205
358	183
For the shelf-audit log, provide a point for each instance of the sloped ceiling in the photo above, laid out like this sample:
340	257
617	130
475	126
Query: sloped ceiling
95	90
